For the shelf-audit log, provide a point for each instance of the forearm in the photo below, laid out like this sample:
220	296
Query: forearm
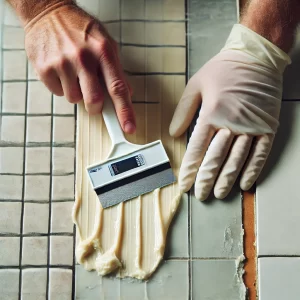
276	20
29	9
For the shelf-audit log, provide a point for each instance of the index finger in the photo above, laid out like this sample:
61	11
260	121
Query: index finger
117	86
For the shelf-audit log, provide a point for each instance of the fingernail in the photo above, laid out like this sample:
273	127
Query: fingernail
129	127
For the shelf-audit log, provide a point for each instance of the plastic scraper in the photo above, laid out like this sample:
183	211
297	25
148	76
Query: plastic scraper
130	170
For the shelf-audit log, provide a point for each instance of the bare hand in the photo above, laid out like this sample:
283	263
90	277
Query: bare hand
74	56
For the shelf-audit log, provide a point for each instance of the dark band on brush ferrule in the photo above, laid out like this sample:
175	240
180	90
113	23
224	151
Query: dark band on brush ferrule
133	178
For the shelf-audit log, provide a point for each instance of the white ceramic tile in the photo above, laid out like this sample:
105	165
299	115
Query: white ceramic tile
11	187
34	284
11	160
63	130
14	97
35	250
36	216
10	18
13	37
217	227
63	160
277	196
61	250
38	129
9	251
10	217
60	284
154	10
37	160
133	9
12	129
175	9
178	247
37	187
217	279
14	65
169	282
9	284
39	98
62	187
61	217
278	278
62	106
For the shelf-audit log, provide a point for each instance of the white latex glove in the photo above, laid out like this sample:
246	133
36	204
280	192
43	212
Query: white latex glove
239	91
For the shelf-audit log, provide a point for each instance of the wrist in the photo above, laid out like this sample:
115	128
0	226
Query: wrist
275	20
29	11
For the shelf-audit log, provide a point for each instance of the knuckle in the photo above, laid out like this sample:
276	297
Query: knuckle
118	88
104	49
62	63
44	71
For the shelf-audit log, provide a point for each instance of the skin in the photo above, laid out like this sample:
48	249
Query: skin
74	56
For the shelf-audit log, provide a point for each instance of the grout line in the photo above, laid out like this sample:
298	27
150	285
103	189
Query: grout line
74	227
150	45
23	183
39	174
37	145
190	273
279	256
143	21
33	234
50	200
37	201
18	80
24	267
130	73
36	115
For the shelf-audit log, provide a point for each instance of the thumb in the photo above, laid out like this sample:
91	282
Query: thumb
186	108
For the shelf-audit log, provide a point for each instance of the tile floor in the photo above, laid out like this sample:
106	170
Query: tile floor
37	139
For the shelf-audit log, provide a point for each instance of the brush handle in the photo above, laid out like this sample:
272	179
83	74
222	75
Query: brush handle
111	121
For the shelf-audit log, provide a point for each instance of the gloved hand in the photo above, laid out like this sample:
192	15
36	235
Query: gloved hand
74	56
239	91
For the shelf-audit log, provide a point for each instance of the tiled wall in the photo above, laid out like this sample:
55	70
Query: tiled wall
36	179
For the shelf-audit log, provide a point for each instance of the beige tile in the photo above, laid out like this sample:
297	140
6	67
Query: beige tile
60	284
34	250
11	160
62	106
174	9
38	129
133	58
174	34
9	251
137	84
37	187
10	18
172	55
39	98
37	160
63	129
109	10
9	284
14	65
10	217
31	72
154	33
154	60
154	10
133	32
61	250
34	284
62	187
11	187
154	88
12	129
63	160
14	97
114	30
36	216
61	217
13	37
133	9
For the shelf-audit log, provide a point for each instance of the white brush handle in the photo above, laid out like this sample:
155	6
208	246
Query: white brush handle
111	121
